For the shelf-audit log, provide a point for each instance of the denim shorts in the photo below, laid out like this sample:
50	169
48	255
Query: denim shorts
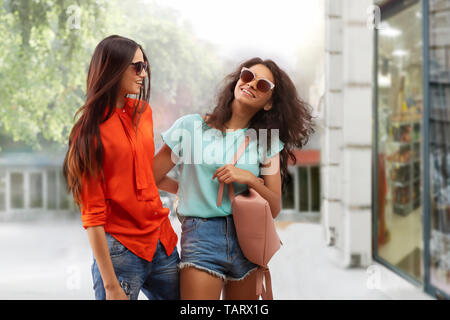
158	279
211	245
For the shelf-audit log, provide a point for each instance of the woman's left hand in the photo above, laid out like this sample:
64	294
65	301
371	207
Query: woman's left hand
229	173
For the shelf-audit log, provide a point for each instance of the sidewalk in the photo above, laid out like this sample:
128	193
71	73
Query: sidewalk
304	269
52	260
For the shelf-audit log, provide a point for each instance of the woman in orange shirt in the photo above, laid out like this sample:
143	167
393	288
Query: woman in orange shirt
108	169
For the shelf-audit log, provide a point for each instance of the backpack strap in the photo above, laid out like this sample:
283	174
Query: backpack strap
264	290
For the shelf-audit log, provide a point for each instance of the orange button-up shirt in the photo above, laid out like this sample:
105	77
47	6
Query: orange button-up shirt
126	200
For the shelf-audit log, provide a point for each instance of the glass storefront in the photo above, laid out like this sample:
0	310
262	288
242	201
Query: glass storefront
439	147
412	114
400	97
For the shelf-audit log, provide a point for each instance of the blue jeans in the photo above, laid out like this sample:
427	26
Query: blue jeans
158	279
211	245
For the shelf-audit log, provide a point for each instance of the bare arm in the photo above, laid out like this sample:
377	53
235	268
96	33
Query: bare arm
97	239
169	185
162	164
271	189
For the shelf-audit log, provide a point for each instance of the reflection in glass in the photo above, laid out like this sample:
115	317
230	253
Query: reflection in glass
439	88
400	97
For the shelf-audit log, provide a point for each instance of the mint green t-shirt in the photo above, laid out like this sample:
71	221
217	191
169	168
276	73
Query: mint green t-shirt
200	151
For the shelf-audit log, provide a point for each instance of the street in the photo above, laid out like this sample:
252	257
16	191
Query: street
51	259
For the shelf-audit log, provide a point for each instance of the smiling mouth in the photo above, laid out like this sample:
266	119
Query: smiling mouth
247	92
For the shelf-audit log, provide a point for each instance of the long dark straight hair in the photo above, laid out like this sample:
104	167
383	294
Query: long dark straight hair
289	113
84	157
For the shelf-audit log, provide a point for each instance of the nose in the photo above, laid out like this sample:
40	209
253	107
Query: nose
252	83
143	75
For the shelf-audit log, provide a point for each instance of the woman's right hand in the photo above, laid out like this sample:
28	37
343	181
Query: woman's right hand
99	244
116	293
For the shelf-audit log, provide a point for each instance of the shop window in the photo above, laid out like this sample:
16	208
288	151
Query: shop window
2	190
303	191
17	190
399	143
439	122
303	188
288	199
315	189
63	195
309	188
51	190
36	199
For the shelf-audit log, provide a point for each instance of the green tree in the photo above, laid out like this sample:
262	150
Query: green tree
44	56
42	66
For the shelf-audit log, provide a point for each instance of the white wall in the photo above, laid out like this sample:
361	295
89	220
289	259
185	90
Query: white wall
346	143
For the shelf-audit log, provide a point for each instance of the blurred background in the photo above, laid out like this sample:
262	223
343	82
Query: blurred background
366	213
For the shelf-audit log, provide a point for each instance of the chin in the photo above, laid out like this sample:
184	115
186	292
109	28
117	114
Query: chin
248	102
134	91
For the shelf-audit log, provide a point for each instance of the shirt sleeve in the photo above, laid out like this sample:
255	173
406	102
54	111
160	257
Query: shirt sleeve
276	146
173	137
93	204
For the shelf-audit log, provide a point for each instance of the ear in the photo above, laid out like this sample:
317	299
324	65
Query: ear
268	106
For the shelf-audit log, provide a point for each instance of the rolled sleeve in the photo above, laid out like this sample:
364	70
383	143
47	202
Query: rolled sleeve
276	146
93	206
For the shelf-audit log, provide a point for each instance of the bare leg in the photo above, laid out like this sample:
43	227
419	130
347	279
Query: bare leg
241	290
196	284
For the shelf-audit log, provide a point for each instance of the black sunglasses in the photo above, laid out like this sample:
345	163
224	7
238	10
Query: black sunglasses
139	66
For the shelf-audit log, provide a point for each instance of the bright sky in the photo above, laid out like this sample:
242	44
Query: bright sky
266	28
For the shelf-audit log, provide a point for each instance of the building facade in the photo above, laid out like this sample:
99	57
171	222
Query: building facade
388	74
32	186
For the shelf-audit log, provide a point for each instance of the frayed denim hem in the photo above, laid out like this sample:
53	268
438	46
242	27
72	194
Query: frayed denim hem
241	278
211	272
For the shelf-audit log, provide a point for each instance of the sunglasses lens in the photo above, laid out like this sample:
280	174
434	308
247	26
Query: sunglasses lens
246	76
140	66
263	85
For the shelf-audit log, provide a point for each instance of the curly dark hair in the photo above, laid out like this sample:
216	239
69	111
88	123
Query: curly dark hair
289	113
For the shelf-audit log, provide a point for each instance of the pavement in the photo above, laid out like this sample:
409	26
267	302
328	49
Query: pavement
51	259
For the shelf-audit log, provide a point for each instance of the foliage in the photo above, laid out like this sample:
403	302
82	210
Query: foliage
42	67
44	58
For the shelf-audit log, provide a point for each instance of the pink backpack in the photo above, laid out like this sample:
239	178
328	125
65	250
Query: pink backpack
255	229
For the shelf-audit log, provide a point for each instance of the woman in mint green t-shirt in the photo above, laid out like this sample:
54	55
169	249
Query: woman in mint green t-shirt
260	101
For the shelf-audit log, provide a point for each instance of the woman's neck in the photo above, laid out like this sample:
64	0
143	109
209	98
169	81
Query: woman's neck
120	102
240	117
